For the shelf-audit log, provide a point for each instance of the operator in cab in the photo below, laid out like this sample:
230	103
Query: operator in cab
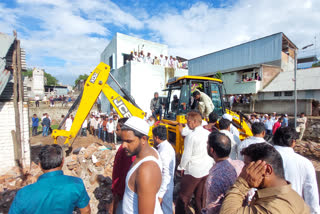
205	104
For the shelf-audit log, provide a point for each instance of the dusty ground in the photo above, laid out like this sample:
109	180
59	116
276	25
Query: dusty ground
96	175
309	149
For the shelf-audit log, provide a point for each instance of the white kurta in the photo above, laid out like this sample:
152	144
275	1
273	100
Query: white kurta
195	159
301	173
168	160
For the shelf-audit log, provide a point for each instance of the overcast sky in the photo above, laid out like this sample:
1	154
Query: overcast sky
66	37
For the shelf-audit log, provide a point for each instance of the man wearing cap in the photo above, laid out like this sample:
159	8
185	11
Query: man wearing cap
233	129
144	178
285	121
156	106
205	103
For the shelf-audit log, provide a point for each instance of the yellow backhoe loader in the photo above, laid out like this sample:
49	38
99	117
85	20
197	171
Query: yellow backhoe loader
125	105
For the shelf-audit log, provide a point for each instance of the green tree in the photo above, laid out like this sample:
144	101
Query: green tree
317	64
28	73
51	80
218	75
81	77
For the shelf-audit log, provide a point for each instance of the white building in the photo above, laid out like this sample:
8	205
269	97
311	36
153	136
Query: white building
117	53
14	114
140	79
35	84
280	92
38	82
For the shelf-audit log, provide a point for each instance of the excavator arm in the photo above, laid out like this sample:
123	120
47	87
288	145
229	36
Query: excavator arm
97	82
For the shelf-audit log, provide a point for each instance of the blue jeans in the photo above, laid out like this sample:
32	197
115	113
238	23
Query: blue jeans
45	131
105	135
157	111
100	133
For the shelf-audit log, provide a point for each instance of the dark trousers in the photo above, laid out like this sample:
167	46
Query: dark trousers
110	138
83	131
34	130
269	132
37	103
191	185
96	132
157	111
105	136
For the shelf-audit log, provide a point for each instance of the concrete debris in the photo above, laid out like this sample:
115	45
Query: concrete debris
92	164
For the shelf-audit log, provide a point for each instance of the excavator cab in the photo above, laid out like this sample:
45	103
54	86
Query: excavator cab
180	100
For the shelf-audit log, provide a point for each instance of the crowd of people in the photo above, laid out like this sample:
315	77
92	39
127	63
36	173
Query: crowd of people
45	121
219	173
237	98
273	121
165	61
102	126
52	100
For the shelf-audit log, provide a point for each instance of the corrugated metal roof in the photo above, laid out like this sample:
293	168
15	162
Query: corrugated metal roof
4	75
7	93
263	50
307	79
5	43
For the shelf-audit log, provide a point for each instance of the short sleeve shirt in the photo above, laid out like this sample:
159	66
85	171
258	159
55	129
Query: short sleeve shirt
52	193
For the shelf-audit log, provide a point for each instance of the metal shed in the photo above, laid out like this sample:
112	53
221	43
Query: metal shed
266	50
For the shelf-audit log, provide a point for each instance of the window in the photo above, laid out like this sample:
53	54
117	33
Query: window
216	99
126	58
111	61
288	93
278	94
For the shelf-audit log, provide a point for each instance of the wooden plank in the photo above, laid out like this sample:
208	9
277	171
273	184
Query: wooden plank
17	146
318	180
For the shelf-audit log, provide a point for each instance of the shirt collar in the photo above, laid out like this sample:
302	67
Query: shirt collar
51	174
161	144
198	127
284	148
274	191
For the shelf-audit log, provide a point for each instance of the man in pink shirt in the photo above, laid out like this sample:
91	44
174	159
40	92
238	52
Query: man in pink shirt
277	125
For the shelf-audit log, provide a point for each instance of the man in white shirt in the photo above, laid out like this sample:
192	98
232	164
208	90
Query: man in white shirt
68	123
224	126
302	122
95	125
259	132
269	125
297	169
148	59
196	164
162	60
168	160
175	63
37	99
135	56
233	129
84	128
231	100
110	128
167	62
